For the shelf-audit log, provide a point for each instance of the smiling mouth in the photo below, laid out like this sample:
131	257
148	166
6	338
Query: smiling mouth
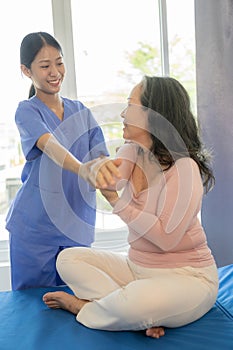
55	82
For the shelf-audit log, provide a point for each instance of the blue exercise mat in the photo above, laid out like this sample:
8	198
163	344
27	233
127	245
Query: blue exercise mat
27	324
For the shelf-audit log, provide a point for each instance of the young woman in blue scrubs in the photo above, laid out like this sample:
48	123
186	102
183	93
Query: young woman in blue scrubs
54	207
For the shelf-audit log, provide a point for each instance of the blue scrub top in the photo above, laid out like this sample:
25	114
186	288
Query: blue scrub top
53	203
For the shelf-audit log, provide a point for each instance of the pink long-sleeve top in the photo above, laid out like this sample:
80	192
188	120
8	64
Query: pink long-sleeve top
163	223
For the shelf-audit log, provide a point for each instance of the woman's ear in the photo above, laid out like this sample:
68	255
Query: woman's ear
26	71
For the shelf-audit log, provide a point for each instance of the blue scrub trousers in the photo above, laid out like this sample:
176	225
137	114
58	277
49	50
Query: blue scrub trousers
33	264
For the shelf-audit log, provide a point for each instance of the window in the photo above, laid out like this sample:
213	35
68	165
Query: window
112	44
115	44
181	43
15	89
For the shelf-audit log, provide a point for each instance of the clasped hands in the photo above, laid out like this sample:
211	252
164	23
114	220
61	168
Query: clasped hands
100	172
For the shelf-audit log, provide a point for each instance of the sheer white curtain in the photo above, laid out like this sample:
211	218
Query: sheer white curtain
214	60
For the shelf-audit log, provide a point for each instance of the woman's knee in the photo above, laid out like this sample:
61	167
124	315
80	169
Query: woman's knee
69	255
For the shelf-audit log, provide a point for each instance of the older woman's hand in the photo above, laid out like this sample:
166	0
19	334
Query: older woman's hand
100	172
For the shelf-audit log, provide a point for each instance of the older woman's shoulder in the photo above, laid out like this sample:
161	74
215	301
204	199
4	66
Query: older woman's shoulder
128	150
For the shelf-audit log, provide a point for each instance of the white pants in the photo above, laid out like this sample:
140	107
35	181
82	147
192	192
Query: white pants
126	296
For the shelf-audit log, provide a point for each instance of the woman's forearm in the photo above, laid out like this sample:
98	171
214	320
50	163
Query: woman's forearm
48	144
98	172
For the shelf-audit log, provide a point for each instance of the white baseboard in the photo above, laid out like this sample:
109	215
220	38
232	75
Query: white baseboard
5	284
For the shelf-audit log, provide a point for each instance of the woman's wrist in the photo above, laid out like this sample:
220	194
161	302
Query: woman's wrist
111	196
114	201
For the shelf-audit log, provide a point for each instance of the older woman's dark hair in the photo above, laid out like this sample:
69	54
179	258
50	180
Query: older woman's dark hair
31	45
172	126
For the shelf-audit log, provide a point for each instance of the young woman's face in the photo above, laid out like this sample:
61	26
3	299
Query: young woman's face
135	119
47	71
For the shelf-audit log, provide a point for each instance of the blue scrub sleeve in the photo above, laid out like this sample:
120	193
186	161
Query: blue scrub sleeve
31	126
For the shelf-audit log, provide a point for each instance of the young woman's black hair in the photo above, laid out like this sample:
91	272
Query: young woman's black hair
31	45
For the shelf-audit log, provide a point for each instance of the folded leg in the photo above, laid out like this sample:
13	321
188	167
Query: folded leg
171	299
93	274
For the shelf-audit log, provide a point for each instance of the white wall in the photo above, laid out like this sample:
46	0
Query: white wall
4	266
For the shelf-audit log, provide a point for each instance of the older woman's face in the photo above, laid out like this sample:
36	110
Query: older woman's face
135	119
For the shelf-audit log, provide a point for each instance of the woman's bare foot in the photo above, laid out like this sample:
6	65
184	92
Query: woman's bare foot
71	303
65	301
155	332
